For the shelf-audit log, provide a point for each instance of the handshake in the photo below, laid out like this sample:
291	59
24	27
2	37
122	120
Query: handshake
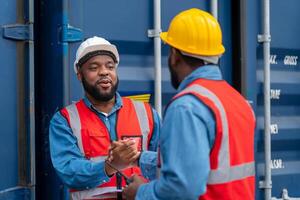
122	154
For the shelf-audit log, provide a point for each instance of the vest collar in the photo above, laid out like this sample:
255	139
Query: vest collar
117	106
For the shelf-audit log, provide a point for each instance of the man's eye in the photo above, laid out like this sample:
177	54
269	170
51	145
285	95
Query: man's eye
110	66
93	68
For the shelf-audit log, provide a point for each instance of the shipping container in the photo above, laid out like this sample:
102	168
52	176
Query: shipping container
38	46
17	145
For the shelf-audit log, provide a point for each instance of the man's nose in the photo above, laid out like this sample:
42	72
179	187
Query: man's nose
103	71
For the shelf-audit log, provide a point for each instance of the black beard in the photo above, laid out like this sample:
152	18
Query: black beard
93	91
174	78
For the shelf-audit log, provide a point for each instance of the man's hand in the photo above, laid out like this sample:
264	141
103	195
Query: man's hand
130	191
123	154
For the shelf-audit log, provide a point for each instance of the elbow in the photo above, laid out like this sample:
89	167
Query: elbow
191	191
179	189
74	183
68	180
183	186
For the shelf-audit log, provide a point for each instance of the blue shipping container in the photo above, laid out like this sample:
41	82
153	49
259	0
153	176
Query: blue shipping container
17	174
39	83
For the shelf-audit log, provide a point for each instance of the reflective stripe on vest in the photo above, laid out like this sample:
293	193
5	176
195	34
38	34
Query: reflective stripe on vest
143	121
75	124
95	193
140	112
224	173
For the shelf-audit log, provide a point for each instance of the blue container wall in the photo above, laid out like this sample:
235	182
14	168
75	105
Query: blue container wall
14	143
128	32
125	24
8	102
285	99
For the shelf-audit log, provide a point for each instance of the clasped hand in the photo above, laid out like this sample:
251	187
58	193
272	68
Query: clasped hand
123	154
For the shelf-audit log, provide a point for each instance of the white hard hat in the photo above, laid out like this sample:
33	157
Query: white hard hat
95	44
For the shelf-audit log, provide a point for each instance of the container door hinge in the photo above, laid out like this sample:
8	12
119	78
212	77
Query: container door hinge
263	185
20	32
264	38
71	34
153	33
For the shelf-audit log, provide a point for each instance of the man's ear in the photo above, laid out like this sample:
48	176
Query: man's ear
173	50
175	56
79	75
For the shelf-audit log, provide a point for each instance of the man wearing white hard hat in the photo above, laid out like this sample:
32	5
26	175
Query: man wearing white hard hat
81	134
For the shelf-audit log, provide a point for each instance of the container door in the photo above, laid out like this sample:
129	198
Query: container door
285	97
16	100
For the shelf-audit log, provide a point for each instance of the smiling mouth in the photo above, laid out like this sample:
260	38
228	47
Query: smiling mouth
104	83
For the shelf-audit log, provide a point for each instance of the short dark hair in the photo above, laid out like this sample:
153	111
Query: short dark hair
191	61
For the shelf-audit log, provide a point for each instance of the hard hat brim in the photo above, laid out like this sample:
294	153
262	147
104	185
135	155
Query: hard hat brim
163	36
98	47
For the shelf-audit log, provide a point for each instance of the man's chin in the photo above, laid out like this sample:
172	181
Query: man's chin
106	96
105	93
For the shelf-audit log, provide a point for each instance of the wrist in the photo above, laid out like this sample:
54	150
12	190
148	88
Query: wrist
108	170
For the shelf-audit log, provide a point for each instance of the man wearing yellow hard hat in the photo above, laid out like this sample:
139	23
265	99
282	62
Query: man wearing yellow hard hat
207	137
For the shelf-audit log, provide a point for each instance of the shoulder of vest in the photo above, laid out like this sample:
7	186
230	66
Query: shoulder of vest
70	105
182	93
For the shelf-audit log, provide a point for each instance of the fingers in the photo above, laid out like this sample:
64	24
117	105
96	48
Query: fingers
114	144
125	144
131	156
123	153
125	148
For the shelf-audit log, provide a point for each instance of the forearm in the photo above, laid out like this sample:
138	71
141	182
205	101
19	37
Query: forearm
170	187
72	167
82	174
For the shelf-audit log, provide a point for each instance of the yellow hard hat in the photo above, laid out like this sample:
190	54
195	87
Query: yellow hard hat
196	32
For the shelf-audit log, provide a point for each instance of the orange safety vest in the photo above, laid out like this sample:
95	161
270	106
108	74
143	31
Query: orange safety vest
134	120
232	167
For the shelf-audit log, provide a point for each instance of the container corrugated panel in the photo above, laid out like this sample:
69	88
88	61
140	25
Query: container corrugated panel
15	161
285	100
8	102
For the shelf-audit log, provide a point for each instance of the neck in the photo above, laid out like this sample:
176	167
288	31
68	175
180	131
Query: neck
185	70
102	106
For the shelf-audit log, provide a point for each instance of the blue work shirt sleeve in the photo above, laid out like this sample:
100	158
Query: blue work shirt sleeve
185	143
71	166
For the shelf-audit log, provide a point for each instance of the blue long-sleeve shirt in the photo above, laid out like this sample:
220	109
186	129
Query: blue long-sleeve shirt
70	164
186	138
